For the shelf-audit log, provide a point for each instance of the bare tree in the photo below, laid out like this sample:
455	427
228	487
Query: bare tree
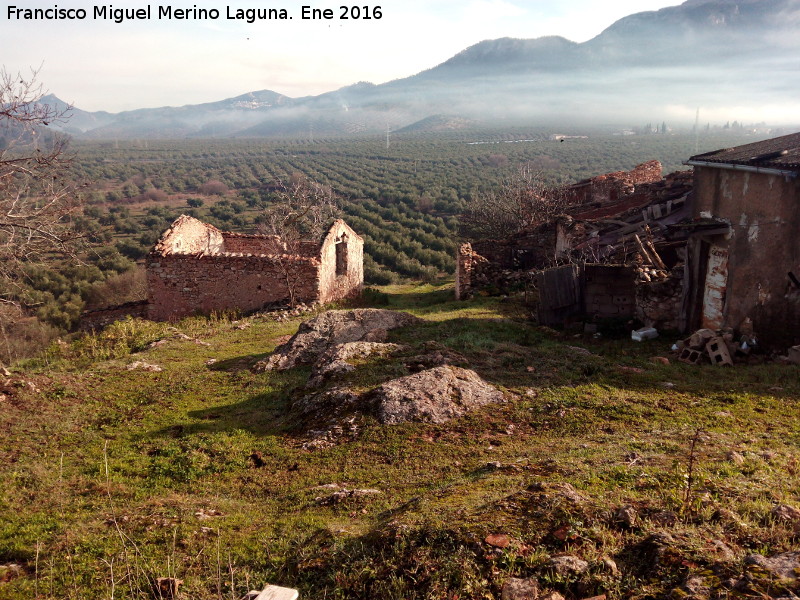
298	218
36	198
521	202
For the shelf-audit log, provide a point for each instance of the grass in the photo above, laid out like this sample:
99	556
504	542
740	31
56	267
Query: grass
115	477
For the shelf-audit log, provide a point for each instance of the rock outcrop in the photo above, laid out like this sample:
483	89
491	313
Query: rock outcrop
332	328
334	361
433	396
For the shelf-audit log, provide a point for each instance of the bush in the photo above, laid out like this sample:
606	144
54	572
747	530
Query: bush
119	339
213	188
374	297
130	286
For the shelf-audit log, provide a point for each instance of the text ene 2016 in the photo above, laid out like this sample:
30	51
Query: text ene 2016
345	12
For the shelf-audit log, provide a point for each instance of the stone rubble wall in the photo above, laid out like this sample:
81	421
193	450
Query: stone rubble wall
610	187
187	235
251	244
659	303
184	285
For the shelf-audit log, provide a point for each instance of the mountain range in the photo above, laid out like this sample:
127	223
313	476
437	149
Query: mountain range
715	54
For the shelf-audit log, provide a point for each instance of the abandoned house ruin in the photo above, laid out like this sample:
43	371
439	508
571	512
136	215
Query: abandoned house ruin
196	269
714	247
744	252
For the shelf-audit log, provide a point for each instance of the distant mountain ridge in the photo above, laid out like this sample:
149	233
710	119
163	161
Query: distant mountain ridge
701	53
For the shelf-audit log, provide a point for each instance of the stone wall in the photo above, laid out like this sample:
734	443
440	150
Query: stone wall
251	244
467	261
181	285
610	187
246	272
659	303
341	272
187	235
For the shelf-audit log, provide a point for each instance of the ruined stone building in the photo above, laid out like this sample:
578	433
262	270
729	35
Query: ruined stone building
715	247
609	218
746	264
196	268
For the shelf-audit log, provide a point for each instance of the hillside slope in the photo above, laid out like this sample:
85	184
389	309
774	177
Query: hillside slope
593	477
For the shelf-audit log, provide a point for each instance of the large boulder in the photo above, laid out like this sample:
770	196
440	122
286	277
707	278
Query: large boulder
332	328
336	359
433	396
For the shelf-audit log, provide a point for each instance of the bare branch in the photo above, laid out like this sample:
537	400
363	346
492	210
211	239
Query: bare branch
298	219
37	200
521	202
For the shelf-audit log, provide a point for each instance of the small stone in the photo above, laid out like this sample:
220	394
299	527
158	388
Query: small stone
143	366
626	516
611	566
784	512
723	550
667	384
520	589
579	350
498	540
735	457
666	518
567	565
696	587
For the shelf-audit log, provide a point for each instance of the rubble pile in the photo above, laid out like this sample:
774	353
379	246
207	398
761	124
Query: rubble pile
717	347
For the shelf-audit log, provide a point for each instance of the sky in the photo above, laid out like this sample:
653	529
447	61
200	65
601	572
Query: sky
97	64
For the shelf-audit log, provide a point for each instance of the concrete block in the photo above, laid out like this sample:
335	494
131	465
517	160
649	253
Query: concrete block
718	352
273	592
609	310
623	299
690	356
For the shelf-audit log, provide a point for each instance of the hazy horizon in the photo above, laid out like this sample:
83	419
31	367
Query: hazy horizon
100	65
